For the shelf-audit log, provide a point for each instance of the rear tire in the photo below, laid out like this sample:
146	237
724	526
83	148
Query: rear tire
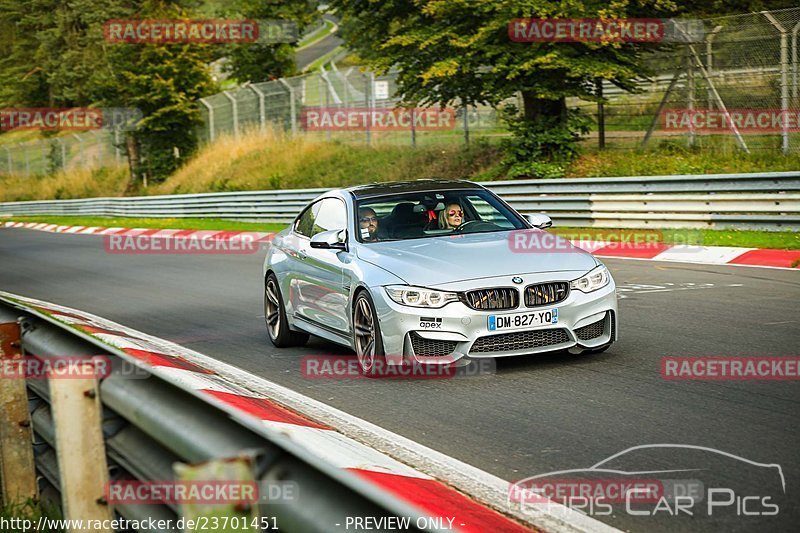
275	317
367	338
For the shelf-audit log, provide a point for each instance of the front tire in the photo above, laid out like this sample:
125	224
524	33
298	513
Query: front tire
275	317
367	338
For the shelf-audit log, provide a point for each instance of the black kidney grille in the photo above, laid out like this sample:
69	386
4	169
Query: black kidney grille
492	299
546	293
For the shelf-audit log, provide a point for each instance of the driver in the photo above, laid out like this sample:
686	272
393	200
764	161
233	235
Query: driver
451	216
367	220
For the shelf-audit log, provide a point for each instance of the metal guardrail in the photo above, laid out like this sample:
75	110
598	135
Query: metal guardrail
148	425
767	201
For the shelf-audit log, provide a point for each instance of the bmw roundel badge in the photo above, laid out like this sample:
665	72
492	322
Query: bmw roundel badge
517	280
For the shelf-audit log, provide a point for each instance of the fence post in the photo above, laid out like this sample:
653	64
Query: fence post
346	82
17	468
465	107
327	101
413	126
690	84
27	160
292	104
117	152
262	111
784	82
794	59
739	139
63	153
235	108
211	129
8	160
710	61
369	79
77	420
99	143
80	149
601	115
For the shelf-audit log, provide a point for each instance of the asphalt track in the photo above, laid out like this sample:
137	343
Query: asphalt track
535	414
303	58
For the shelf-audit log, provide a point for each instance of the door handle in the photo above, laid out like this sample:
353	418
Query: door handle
302	254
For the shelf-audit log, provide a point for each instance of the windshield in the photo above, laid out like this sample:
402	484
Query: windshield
417	215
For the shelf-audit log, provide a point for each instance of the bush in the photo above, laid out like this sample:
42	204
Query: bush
542	148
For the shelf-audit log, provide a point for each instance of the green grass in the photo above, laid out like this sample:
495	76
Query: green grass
275	160
14	514
162	223
784	240
787	240
672	157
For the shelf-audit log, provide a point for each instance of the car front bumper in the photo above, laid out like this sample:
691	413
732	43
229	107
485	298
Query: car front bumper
455	331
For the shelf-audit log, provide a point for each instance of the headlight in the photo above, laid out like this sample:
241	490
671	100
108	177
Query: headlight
596	279
420	297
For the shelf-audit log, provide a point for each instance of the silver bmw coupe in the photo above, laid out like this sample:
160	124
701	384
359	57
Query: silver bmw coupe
433	272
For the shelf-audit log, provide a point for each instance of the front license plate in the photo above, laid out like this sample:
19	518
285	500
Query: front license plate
530	319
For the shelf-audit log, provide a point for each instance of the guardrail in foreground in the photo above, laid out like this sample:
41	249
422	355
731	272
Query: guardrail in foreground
87	432
768	201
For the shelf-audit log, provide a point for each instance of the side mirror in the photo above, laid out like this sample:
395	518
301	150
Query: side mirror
335	239
539	220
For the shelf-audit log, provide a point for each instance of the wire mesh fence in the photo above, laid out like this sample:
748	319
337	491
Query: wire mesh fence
338	95
735	88
93	149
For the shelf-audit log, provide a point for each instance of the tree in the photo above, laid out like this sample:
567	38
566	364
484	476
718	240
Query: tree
59	58
448	50
262	61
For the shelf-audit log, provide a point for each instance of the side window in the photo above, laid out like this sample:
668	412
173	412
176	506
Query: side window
330	214
305	222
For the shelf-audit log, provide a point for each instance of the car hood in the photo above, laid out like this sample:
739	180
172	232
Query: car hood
434	261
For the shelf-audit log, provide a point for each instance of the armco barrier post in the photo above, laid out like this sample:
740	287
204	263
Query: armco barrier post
239	471
17	470
77	418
